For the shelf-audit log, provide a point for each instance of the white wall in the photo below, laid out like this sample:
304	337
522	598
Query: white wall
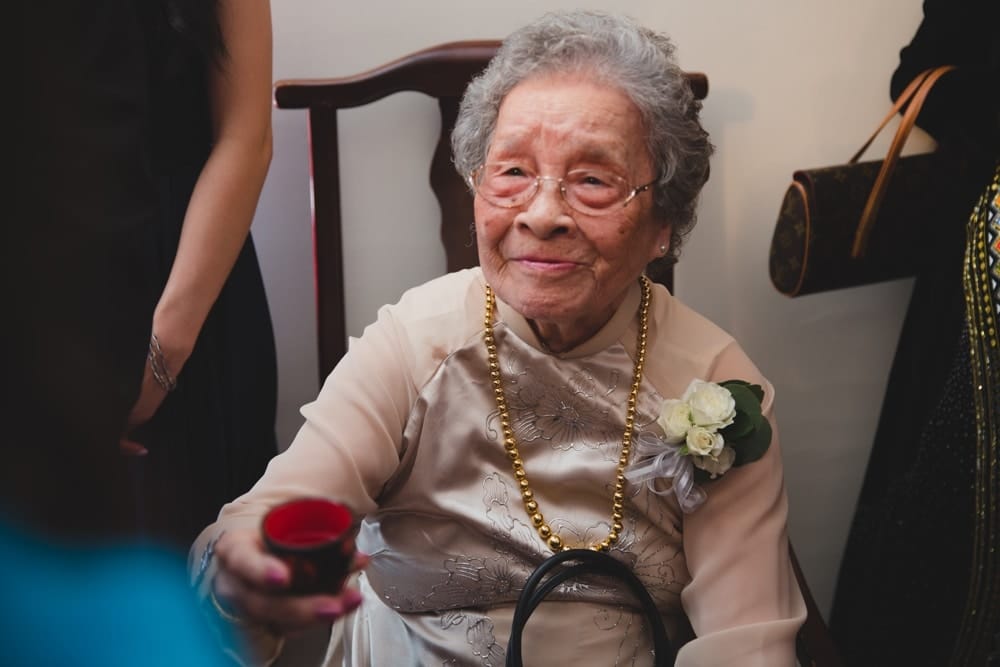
792	83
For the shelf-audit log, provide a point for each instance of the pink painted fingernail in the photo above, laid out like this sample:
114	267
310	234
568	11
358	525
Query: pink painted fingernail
348	602
330	611
276	575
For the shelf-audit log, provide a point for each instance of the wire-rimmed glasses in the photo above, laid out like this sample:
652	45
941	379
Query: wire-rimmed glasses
589	191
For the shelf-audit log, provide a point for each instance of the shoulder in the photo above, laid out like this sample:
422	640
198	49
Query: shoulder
431	321
442	297
441	309
683	331
687	345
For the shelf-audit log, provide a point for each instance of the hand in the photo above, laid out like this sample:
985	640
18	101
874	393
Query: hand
151	396
251	584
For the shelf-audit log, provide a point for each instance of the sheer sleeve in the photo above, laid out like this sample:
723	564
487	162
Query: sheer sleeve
743	601
349	444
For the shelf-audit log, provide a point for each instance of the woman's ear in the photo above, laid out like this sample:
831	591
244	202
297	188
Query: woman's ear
661	243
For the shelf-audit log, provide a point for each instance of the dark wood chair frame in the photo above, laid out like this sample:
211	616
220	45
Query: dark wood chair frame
814	646
441	72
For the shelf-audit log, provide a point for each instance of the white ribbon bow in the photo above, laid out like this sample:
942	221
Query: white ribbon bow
655	459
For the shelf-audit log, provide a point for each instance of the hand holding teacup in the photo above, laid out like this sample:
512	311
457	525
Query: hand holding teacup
289	573
315	539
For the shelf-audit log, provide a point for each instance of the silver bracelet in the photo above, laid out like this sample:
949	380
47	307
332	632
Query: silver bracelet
158	365
207	556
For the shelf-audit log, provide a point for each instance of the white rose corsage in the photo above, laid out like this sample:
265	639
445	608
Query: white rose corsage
710	429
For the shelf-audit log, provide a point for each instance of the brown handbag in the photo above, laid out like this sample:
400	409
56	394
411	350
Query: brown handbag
826	236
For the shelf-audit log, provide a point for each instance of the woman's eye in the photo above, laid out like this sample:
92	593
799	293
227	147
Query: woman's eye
513	171
591	179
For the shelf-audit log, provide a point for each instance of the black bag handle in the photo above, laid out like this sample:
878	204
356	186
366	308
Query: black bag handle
588	562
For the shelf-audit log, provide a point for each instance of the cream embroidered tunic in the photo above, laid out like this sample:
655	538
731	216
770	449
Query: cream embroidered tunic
405	430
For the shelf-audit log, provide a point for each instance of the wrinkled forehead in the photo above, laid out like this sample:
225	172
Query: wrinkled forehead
570	116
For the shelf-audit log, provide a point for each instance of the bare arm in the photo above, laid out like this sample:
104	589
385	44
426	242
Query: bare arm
225	196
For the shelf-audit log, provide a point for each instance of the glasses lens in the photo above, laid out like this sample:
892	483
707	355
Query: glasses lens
505	184
589	191
594	191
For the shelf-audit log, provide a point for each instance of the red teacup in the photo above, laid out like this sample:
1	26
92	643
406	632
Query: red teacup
315	537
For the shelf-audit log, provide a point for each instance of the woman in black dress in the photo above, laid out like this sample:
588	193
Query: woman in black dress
920	580
144	321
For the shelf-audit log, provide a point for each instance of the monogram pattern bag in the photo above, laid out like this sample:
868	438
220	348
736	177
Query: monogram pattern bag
852	224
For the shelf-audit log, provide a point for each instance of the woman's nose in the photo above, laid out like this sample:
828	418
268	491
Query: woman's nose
547	213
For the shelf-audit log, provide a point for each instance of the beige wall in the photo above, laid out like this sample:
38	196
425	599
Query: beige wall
793	83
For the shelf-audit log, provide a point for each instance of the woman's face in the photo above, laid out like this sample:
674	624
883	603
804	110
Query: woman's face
567	271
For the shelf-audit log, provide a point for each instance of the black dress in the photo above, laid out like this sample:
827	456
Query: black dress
118	131
904	595
76	257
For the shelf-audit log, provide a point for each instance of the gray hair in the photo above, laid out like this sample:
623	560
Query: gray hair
619	52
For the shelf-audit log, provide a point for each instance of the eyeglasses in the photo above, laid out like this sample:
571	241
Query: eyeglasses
588	191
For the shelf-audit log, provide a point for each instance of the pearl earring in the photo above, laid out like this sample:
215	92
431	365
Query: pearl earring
663	249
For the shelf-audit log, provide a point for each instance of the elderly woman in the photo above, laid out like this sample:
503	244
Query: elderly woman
497	415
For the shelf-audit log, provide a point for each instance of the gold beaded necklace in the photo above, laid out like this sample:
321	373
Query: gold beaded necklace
510	442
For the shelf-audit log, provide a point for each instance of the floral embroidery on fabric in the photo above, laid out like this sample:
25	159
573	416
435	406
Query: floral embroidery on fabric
478	635
475	582
564	415
508	528
484	644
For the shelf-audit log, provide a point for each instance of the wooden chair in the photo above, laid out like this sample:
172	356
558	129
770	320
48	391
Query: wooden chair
441	72
814	646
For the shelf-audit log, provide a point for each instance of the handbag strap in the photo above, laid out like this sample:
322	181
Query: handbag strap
915	94
901	102
588	562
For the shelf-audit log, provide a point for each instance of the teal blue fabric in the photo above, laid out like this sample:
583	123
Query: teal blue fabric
109	606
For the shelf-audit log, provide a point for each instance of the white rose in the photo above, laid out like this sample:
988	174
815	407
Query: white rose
703	442
675	420
716	465
712	406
